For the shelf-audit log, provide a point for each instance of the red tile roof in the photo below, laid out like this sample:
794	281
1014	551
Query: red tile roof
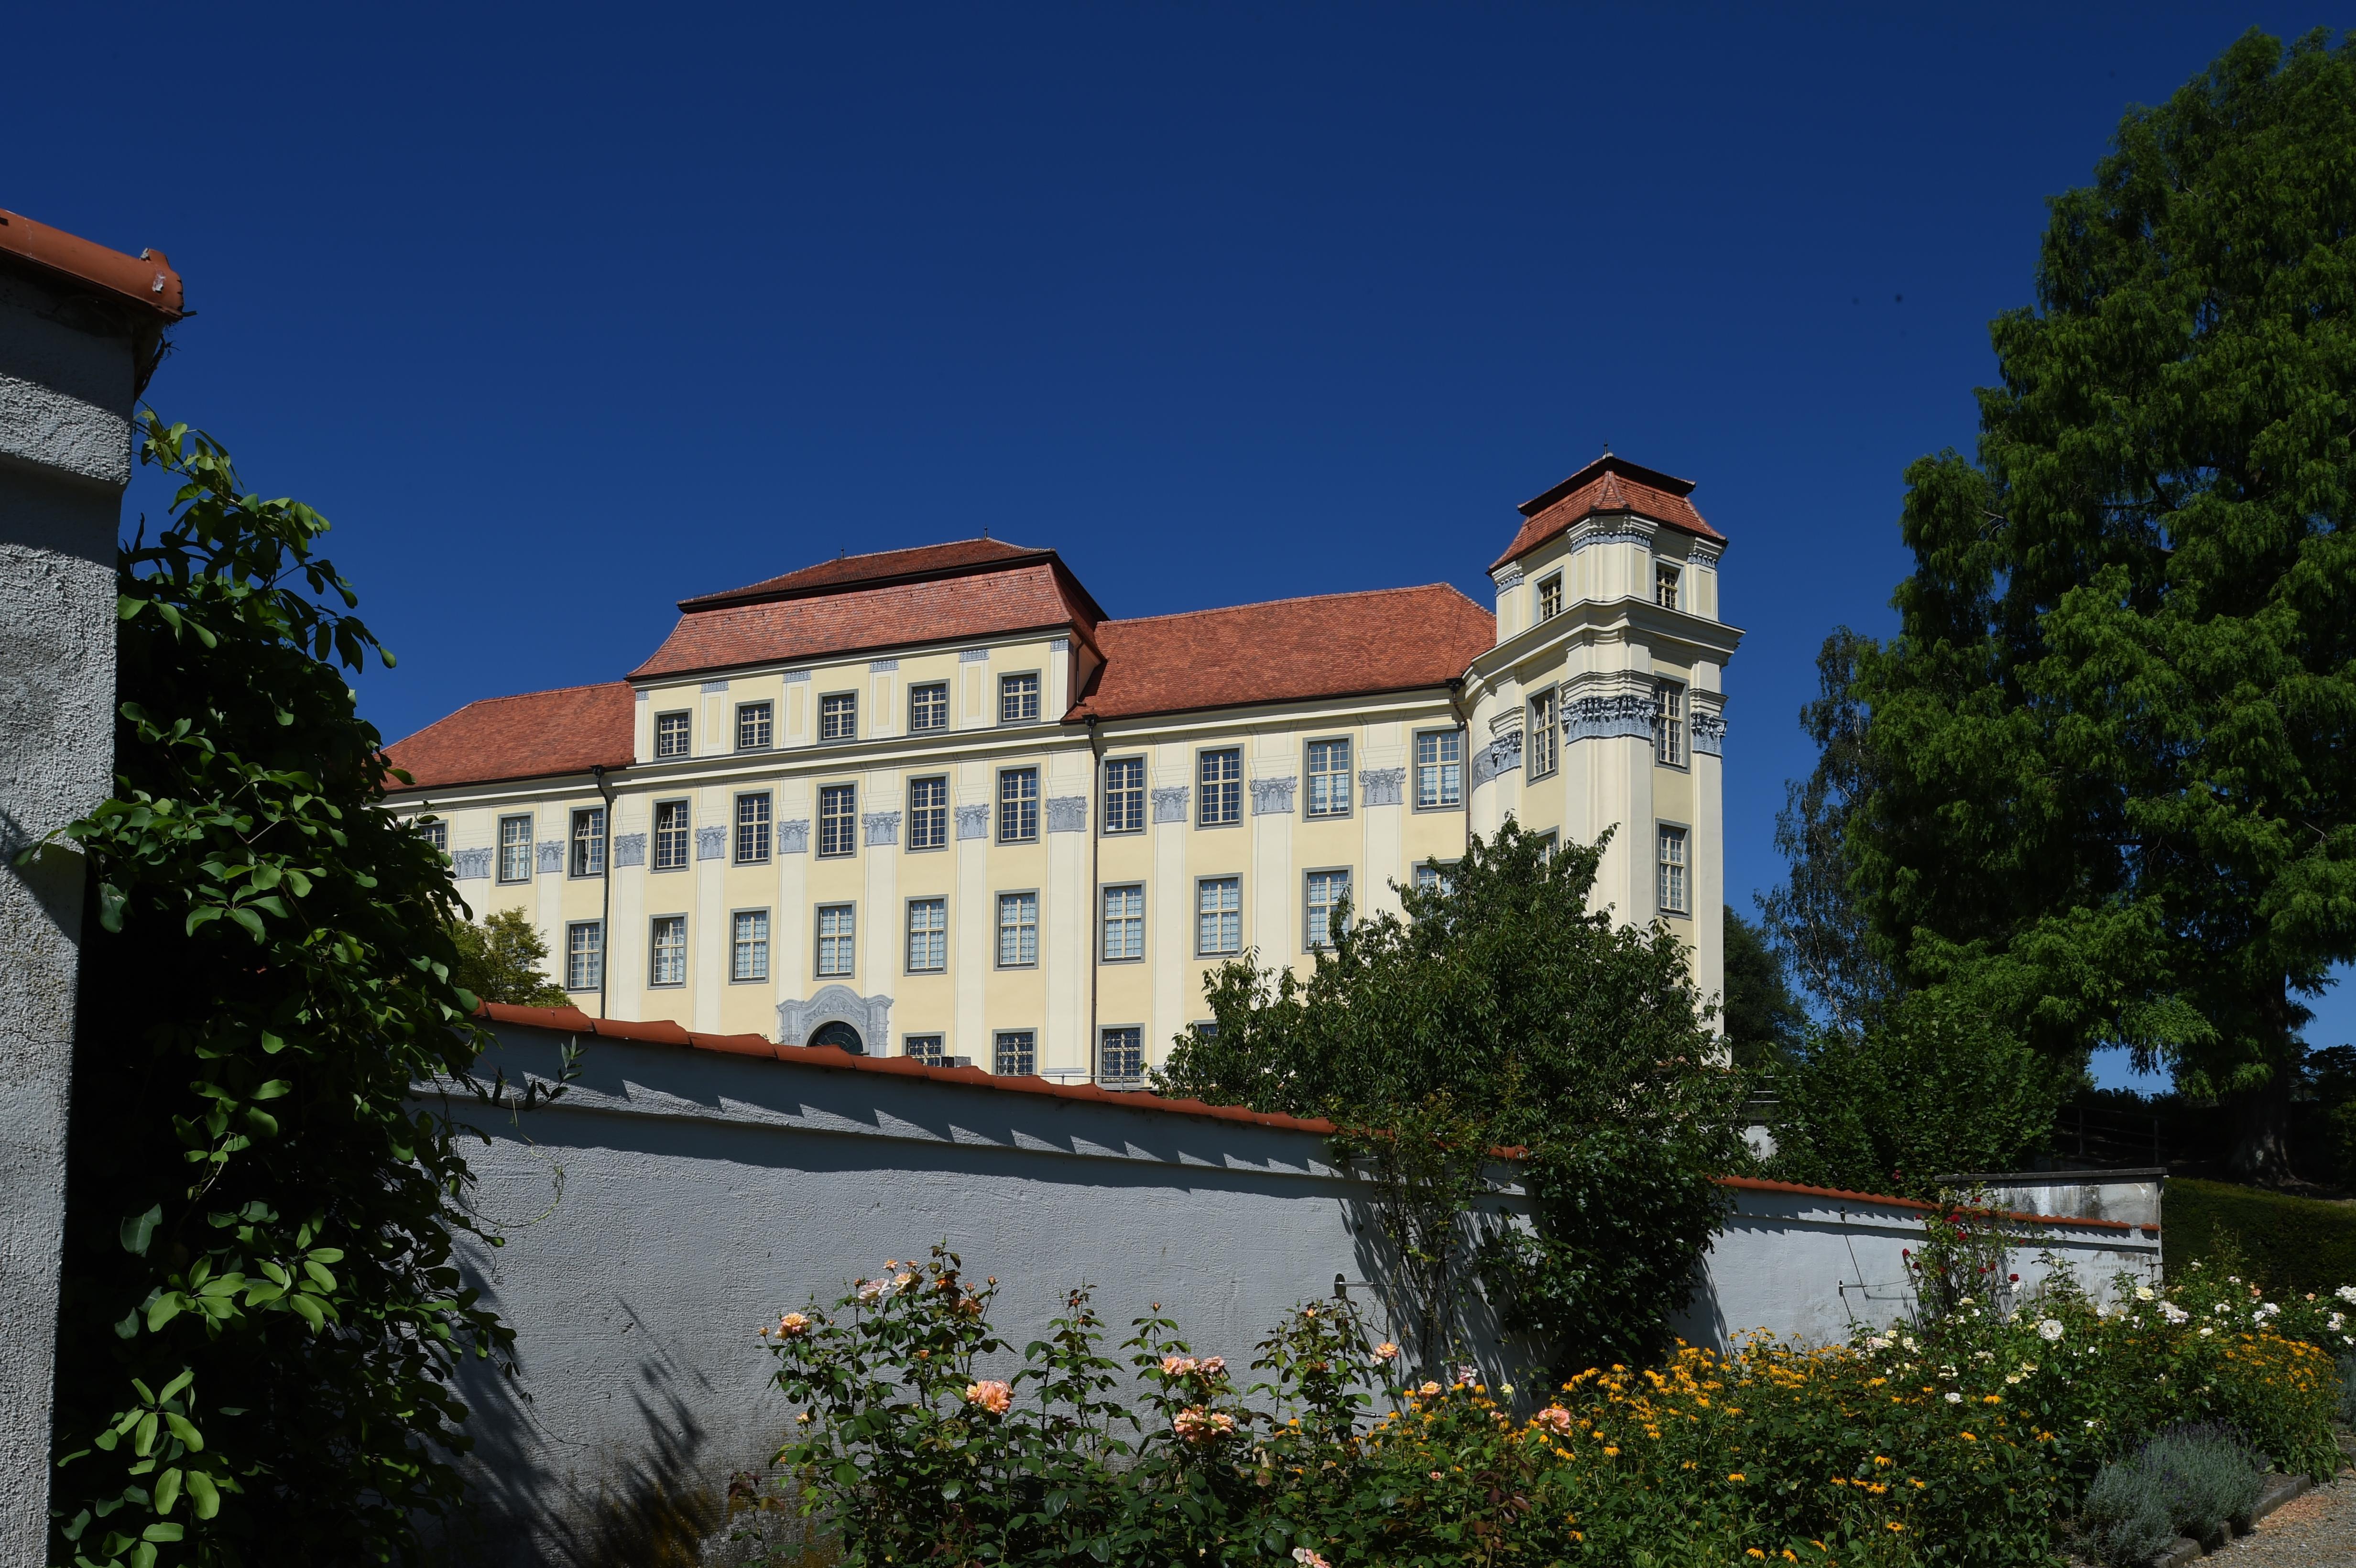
1608	484
1033	593
1337	645
882	566
145	280
535	735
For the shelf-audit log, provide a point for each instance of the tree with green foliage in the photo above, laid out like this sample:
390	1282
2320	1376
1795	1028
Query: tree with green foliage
504	960
1499	1009
261	1310
2117	731
1761	1022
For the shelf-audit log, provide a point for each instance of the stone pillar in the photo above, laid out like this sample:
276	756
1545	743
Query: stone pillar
70	358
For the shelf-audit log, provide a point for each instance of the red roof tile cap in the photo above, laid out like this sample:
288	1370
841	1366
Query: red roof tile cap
145	280
956	559
1608	463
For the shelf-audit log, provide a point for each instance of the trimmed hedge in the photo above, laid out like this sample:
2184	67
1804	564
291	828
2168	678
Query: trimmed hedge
2293	1245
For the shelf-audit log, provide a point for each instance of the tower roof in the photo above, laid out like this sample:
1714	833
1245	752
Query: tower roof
1608	484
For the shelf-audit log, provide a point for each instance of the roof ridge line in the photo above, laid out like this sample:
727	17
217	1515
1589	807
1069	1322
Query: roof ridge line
1294	598
867	555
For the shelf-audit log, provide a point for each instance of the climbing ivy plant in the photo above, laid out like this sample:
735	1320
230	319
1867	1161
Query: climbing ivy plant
262	1316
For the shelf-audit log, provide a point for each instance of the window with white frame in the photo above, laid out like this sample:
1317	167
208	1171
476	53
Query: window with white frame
585	956
667	951
1124	923
1219	917
1124	810
838	928
436	833
837	716
1120	1055
671	735
1434	878
1550	597
838	820
1438	769
1014	1052
1221	774
753	828
748	947
928	814
1018	698
588	857
1329	778
929	936
1669	724
1664	585
1674	895
671	835
1325	891
928	706
1542	739
756	726
1018	805
1018	930
515	848
923	1048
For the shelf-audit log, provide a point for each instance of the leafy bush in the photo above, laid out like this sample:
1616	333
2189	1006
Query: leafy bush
2125	1520
2293	1244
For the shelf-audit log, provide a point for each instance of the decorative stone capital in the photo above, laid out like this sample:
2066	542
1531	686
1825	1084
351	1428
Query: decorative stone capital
881	666
1623	527
1701	552
472	864
551	857
973	656
882	827
1067	814
630	849
1708	733
1382	786
973	821
1508	579
1500	757
711	685
871	1016
1623	715
794	676
1273	797
1059	645
793	837
1169	803
710	843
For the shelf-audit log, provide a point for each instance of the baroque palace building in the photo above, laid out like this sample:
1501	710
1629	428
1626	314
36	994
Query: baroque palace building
936	803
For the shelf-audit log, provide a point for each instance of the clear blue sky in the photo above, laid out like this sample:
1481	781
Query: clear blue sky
563	315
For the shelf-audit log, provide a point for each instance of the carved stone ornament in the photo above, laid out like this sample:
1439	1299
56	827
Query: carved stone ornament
973	821
472	864
630	849
1708	733
1611	530
881	666
882	827
794	677
1509	578
1067	814
1625	716
871	1016
551	857
1382	786
1059	645
710	843
793	837
645	695
1703	552
1273	797
973	656
712	685
1501	755
1169	803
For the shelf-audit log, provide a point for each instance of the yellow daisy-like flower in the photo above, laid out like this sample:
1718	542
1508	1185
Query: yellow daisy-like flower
1894	1524
1734	1475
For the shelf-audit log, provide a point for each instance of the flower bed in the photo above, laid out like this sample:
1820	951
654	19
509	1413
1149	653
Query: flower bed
1963	1440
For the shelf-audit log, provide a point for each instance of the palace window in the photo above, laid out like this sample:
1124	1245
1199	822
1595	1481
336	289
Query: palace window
928	706
755	725
752	828
667	952
923	1048
1430	878
1550	597
1014	1052
1329	778
1672	871
585	956
1664	585
1219	917
928	935
1125	795
837	716
436	833
515	848
1542	737
1018	698
1018	930
1124	923
1438	769
1222	775
748	957
838	820
1120	1055
928	814
837	926
671	835
1669	724
1018	805
588	857
671	735
1325	890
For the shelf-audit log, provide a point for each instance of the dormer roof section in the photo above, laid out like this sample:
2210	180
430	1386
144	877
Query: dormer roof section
1610	485
868	603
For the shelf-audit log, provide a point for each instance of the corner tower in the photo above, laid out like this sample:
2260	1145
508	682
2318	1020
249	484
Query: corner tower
1601	707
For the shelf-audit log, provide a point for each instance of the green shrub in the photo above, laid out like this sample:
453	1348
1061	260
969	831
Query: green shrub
2293	1244
2125	1520
2212	1478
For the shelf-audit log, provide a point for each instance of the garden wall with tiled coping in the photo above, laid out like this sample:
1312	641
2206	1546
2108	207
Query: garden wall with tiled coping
687	1188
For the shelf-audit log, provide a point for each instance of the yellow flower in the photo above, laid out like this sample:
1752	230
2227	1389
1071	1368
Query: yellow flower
1969	1438
1754	1551
1735	1476
1611	1452
1894	1524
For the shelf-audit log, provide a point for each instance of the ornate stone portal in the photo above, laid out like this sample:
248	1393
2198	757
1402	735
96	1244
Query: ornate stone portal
801	1022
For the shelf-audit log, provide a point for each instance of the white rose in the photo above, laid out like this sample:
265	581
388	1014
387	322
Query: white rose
2049	1330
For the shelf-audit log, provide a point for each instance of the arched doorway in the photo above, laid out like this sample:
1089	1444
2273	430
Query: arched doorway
841	1035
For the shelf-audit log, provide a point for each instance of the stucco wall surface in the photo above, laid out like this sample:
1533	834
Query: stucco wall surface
675	1201
65	398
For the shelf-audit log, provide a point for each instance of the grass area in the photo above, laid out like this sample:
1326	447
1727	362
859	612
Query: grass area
2293	1244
